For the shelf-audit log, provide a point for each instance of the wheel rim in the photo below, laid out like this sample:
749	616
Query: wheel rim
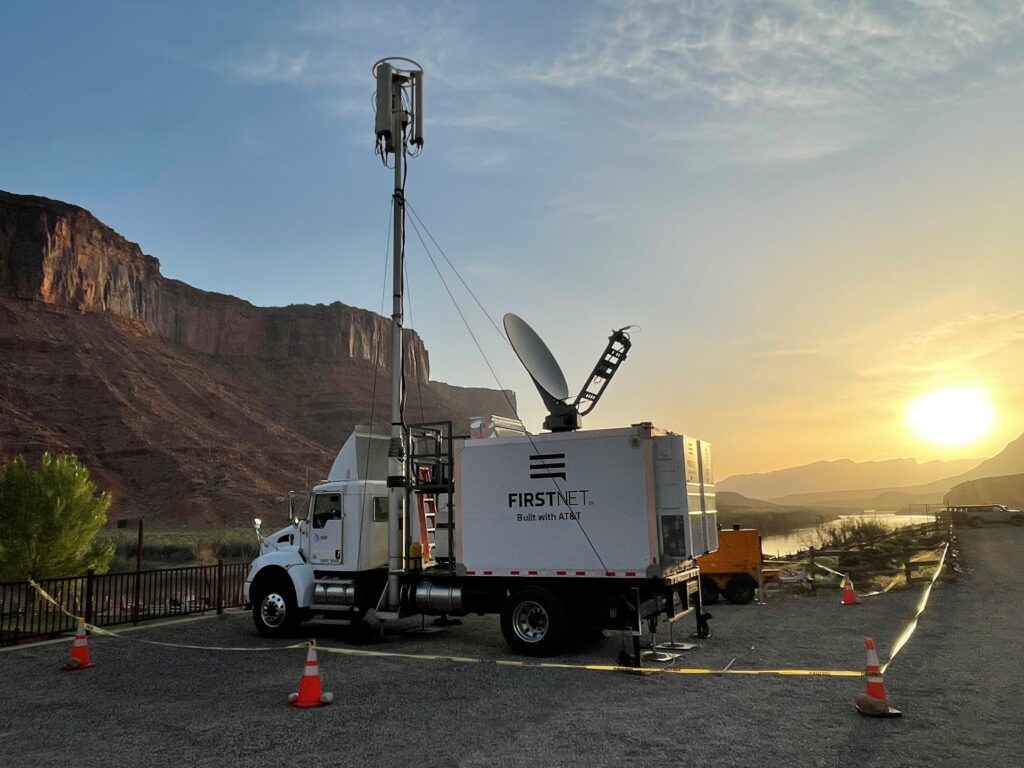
530	622
273	609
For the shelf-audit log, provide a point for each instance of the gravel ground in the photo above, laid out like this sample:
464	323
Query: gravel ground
958	681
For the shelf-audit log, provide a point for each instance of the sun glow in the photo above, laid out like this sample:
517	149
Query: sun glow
951	416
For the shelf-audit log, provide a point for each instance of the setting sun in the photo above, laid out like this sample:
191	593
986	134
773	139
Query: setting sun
951	416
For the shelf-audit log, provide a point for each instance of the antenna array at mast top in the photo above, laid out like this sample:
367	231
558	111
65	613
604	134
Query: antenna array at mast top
399	105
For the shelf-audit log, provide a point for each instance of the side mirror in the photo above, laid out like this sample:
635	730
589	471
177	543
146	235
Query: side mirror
291	508
256	523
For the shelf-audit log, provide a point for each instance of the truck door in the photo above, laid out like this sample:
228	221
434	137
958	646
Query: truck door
326	537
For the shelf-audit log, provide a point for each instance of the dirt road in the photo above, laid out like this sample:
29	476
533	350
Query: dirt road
960	683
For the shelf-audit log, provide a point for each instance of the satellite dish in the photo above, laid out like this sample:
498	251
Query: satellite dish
550	381
536	358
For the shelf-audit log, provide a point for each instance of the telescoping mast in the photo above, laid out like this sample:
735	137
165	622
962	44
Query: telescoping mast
399	131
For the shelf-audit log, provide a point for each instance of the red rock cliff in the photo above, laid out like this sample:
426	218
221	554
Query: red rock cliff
190	406
62	255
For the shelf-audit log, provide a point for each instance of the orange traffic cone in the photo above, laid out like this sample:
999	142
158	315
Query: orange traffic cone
79	651
874	702
849	593
310	693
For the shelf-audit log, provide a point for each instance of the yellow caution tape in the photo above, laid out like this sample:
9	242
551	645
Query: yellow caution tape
499	662
596	667
921	605
110	633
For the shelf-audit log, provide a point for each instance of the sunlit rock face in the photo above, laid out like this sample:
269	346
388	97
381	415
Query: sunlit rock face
187	404
61	254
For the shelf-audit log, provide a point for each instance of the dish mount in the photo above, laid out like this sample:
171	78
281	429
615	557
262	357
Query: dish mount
547	376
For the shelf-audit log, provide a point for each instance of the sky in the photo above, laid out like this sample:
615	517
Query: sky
811	210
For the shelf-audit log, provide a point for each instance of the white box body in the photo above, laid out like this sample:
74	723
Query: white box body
603	503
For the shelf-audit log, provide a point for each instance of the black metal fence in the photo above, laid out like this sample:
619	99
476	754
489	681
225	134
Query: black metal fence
117	598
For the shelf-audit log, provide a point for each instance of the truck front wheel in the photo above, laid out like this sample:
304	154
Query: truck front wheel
534	622
274	609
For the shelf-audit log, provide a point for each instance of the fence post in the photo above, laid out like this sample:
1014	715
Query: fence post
136	596
220	587
908	567
89	596
811	573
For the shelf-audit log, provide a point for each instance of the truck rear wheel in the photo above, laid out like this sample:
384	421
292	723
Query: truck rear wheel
275	611
740	589
534	622
708	591
1017	519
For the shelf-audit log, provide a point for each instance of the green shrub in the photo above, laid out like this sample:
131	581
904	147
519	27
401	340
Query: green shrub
50	515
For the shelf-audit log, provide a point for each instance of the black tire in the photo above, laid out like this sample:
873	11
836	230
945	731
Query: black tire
275	611
740	590
1017	519
534	622
976	522
709	593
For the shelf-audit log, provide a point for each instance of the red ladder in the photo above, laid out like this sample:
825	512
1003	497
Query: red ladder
427	504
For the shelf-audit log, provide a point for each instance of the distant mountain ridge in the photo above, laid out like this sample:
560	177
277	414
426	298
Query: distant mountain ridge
842	475
1009	461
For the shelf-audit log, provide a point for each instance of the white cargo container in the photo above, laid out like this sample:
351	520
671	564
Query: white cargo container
599	504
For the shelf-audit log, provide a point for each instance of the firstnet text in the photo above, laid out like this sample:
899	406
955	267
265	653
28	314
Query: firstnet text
548	498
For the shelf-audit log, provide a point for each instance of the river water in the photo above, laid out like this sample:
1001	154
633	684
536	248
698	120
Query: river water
800	538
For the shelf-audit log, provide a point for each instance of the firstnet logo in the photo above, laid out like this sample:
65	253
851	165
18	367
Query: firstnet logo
547	465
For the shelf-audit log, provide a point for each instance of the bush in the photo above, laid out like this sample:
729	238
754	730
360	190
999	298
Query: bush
842	533
49	517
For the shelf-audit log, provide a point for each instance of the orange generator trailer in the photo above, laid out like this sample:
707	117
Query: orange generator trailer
733	570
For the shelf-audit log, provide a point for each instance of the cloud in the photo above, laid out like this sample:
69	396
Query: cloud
952	347
791	352
783	80
274	67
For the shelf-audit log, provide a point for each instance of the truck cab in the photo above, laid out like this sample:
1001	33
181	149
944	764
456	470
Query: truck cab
332	561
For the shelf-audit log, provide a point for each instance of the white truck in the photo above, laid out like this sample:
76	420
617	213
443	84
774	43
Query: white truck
554	532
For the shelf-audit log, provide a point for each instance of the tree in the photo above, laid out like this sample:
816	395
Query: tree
50	515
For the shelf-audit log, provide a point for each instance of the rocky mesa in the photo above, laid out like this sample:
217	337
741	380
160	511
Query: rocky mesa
189	405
